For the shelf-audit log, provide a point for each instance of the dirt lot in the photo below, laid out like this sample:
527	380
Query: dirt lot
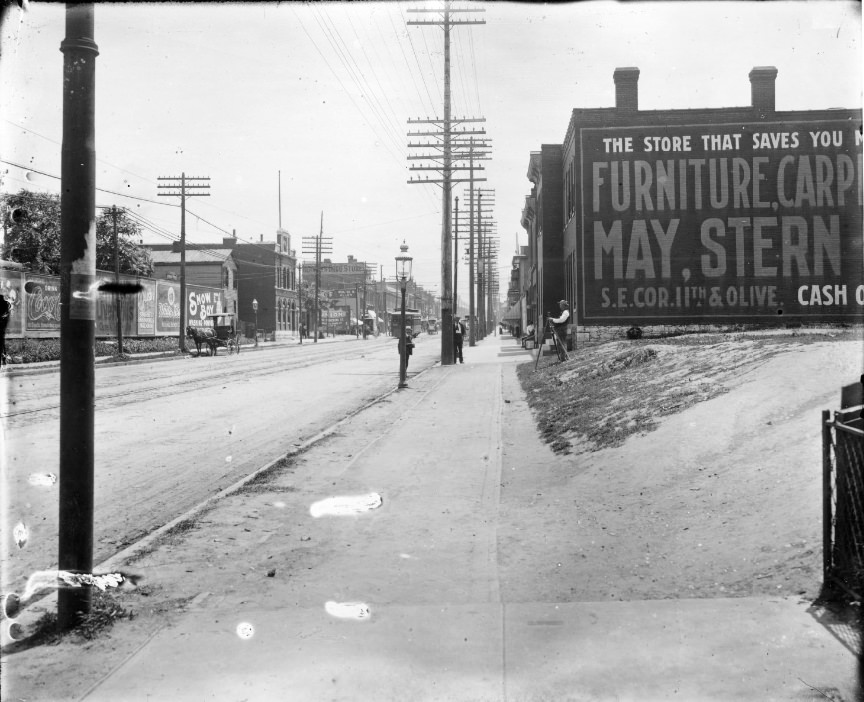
693	463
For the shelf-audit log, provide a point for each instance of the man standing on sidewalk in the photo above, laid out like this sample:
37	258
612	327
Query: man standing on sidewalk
459	332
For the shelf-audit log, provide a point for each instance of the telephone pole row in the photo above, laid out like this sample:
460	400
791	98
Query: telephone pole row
317	245
446	168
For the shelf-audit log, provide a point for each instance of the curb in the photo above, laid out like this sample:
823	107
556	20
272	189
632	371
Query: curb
17	369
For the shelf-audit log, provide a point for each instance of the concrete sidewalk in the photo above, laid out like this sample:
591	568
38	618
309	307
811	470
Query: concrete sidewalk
405	601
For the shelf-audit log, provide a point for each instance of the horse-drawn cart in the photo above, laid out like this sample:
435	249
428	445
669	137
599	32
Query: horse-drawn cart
223	333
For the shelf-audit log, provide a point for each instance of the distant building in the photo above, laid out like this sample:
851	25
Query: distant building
264	271
542	219
346	285
211	265
516	312
267	271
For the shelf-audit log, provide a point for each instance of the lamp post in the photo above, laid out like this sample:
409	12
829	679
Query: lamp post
255	309
403	273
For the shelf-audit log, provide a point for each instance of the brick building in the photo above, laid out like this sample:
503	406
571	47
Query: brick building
542	219
698	216
267	272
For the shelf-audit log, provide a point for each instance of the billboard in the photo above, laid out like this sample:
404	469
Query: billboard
106	310
745	222
12	288
146	301
42	303
200	302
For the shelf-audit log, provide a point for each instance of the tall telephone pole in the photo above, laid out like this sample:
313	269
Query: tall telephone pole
189	187
456	259
118	298
317	245
477	151
77	309
444	165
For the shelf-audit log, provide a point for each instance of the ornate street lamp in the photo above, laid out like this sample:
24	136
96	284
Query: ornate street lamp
403	273
255	309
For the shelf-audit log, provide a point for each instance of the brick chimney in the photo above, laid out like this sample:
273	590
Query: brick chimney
762	80
626	89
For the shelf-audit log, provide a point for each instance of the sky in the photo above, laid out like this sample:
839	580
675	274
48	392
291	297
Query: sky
322	93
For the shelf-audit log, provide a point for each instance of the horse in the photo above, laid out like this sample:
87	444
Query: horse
203	336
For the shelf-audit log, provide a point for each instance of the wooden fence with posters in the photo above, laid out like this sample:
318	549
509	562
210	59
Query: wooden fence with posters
155	311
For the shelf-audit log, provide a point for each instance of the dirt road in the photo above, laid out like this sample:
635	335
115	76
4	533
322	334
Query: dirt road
168	435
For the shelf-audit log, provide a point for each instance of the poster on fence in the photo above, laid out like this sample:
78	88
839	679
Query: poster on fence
13	290
167	307
146	301
106	310
43	303
202	302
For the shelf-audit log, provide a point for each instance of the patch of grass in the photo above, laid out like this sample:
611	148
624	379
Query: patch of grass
260	488
609	391
263	481
104	611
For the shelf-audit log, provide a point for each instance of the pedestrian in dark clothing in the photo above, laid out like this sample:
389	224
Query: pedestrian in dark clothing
409	345
5	311
561	322
459	332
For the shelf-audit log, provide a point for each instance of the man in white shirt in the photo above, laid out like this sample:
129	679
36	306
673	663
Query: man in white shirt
560	323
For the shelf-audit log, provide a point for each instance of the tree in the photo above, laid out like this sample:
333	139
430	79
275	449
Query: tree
134	259
32	225
31	222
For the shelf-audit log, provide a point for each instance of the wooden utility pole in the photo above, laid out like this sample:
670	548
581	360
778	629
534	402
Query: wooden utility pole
300	300
77	309
456	260
444	165
357	310
317	245
186	190
118	299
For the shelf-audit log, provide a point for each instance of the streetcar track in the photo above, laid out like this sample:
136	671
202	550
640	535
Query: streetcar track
209	379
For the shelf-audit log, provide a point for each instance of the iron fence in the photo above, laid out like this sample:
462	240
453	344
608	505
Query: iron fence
843	501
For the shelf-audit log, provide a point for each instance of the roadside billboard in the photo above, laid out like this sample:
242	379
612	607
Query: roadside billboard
12	288
200	302
167	307
42	303
106	309
146	301
723	222
336	318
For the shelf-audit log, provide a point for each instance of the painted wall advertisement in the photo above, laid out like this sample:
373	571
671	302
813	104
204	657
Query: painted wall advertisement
200	302
737	222
42	303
